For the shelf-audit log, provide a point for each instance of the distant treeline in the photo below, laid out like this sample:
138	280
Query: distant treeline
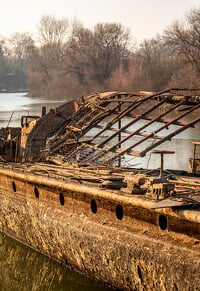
68	60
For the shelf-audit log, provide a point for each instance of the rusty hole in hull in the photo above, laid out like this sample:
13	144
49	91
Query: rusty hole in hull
119	212
14	187
93	206
162	222
62	199
36	192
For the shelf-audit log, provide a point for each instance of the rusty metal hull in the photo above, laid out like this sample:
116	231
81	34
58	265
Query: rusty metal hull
107	235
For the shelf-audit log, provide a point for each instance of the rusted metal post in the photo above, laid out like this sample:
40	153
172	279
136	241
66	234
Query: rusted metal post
119	136
161	165
193	162
43	110
162	153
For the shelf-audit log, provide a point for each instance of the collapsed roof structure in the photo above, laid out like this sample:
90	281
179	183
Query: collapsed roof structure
108	127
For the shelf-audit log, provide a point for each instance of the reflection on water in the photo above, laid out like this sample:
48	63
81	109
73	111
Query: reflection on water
22	268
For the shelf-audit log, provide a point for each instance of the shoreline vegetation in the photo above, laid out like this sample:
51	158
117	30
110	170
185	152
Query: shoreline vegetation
68	60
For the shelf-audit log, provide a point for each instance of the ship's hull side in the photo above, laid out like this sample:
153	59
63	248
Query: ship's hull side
116	248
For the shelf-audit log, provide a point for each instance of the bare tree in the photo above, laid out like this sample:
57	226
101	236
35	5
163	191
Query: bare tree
96	54
3	65
48	59
20	45
71	58
185	38
52	30
111	42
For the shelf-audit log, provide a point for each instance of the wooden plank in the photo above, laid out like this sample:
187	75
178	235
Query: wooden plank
169	203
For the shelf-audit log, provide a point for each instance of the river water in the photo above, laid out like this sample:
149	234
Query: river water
22	268
14	105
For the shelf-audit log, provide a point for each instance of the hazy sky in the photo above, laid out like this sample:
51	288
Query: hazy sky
145	18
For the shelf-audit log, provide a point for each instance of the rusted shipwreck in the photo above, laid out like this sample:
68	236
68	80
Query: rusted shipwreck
70	188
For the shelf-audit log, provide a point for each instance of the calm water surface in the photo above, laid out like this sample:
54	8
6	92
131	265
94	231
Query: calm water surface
17	104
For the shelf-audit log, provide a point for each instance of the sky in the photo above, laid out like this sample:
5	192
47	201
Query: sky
144	18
